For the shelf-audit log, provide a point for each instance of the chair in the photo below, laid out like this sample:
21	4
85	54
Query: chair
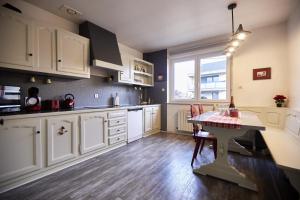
200	135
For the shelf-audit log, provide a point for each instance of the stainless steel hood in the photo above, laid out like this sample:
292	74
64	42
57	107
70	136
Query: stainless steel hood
104	49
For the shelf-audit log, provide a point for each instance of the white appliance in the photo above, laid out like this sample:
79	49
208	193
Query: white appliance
135	124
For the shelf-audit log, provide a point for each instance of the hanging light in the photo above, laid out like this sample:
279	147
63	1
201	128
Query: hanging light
237	37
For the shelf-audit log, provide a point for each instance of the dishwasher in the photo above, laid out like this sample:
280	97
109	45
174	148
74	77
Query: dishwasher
135	124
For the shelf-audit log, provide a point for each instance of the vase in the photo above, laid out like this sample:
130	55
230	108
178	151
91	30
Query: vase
279	104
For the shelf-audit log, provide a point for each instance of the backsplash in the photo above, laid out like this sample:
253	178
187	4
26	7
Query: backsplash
83	89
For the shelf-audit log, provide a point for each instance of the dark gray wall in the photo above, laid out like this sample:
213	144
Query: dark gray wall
82	89
159	59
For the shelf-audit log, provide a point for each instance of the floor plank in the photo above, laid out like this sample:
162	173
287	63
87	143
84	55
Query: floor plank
156	167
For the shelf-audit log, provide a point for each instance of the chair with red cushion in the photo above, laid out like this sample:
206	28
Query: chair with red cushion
200	135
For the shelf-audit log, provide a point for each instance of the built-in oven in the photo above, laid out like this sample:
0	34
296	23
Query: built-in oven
10	98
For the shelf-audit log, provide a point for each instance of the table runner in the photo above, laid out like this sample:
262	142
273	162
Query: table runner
222	121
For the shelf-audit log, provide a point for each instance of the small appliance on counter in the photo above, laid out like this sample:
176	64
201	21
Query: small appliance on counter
52	104
10	99
69	101
33	101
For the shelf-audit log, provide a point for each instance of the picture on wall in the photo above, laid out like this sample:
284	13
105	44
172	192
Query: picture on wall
262	73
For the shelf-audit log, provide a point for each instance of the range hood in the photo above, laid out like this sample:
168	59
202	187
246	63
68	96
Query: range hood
104	49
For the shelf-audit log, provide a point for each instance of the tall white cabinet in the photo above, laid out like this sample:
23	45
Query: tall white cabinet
20	147
16	39
93	132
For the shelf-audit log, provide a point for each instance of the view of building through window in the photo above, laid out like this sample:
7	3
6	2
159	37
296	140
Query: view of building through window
184	86
212	79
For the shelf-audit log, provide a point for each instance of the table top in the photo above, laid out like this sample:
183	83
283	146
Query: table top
247	120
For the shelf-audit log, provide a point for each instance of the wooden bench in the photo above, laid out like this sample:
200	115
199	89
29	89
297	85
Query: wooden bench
284	146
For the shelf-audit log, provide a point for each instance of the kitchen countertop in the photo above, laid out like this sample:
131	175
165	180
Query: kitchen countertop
85	109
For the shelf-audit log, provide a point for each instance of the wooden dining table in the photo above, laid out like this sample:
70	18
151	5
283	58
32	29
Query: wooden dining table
225	128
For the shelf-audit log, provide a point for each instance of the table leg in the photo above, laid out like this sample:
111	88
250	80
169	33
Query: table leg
221	168
236	147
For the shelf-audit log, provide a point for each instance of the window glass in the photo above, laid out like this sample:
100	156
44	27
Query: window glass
184	79
213	78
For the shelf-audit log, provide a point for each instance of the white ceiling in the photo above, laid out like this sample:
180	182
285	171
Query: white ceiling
149	25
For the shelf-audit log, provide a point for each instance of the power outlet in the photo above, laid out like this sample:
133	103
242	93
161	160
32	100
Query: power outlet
96	95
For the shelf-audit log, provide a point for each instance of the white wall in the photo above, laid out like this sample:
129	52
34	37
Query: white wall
266	47
294	58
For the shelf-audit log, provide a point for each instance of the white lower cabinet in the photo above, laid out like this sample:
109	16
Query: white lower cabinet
20	147
61	138
152	118
93	132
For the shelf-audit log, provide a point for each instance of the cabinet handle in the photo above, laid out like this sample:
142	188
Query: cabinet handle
118	121
1	121
105	121
59	60
62	128
30	54
38	132
118	130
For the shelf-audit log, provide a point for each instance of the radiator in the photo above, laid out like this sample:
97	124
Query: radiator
182	124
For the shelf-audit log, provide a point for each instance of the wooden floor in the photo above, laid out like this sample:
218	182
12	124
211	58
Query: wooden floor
158	168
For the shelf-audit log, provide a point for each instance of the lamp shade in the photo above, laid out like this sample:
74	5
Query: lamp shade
240	33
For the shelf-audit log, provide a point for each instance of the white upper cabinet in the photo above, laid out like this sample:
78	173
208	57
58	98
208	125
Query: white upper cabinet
93	131
16	41
20	147
31	46
45	49
72	53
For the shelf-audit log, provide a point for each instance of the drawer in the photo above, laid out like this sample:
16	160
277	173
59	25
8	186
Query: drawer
116	122
155	109
117	130
114	140
115	114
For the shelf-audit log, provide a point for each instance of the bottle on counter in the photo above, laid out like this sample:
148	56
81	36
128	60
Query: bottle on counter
231	105
117	100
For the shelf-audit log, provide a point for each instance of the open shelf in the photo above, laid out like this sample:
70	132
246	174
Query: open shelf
143	73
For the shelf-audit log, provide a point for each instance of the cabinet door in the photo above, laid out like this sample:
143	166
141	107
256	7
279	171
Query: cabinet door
125	75
72	53
62	138
45	49
148	119
156	118
93	132
20	147
16	39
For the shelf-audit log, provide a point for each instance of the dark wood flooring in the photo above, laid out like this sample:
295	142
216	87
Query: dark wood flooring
158	168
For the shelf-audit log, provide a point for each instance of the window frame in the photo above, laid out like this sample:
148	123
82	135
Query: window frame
197	56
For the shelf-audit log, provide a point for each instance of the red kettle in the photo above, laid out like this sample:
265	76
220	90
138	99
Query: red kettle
69	101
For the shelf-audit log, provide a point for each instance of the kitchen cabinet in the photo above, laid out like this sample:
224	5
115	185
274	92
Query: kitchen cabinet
16	39
20	147
61	138
31	46
45	49
152	120
72	53
117	127
143	72
93	132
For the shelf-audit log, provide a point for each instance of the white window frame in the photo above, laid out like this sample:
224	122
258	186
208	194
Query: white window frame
197	56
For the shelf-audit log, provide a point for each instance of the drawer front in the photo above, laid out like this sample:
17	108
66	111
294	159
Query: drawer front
117	130
155	109
116	122
116	114
114	140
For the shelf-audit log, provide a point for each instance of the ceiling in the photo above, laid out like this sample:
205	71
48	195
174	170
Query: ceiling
149	25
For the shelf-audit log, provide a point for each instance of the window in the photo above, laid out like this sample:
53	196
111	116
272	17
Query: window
202	77
214	70
184	74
